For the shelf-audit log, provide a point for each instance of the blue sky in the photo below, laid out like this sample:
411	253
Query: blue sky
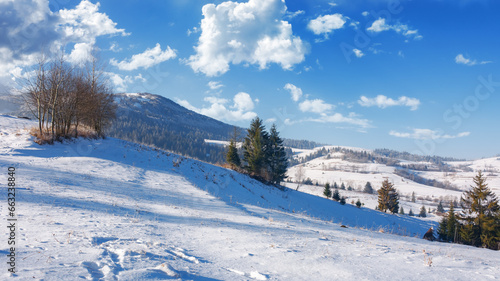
419	76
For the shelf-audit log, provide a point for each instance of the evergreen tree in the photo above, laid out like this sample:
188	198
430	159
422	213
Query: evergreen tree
388	198
452	224
277	159
349	188
327	191
480	211
342	200
342	186
358	203
413	197
368	188
335	186
423	212
256	149
410	213
232	157
440	207
401	210
443	229
336	195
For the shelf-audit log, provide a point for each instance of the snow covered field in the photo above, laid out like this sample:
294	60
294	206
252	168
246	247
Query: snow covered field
113	210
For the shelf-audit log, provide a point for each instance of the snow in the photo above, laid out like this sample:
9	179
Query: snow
114	210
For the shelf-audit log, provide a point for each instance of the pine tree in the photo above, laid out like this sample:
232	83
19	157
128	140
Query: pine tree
342	200
336	195
278	162
423	212
256	149
413	197
443	229
452	224
401	210
368	188
440	208
335	186
388	198
480	211
358	203
327	191
410	213
342	186
232	156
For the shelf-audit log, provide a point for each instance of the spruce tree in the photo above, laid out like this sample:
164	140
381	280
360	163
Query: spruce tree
480	211
368	188
336	195
452	224
327	191
423	212
342	186
342	200
388	198
256	149
443	229
440	208
401	210
410	213
358	203
278	162
232	156
335	186
413	197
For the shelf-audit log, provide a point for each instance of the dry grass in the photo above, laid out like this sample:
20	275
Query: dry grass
46	136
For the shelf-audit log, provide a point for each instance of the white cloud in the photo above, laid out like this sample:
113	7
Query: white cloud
427	134
215	85
121	82
339	118
295	91
380	25
148	58
382	101
460	59
316	106
251	32
240	110
81	53
31	25
365	13
358	53
326	24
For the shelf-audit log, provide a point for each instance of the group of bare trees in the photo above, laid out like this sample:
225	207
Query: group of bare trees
65	98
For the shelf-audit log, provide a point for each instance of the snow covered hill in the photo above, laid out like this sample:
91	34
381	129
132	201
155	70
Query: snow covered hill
114	210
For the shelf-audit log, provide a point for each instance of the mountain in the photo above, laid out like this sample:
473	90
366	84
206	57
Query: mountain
115	210
156	120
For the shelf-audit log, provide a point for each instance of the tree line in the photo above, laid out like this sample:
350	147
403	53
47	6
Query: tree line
264	156
69	100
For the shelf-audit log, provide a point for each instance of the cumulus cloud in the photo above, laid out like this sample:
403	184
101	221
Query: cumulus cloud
358	53
316	106
427	134
295	91
148	58
121	82
326	24
252	32
382	101
460	59
31	25
380	25
240	110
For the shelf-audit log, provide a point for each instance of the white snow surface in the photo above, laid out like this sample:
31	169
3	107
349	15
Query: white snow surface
114	210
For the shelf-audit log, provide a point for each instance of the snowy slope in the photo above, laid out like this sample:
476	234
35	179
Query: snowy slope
113	210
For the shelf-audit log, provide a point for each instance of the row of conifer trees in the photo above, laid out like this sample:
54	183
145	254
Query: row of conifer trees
264	155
